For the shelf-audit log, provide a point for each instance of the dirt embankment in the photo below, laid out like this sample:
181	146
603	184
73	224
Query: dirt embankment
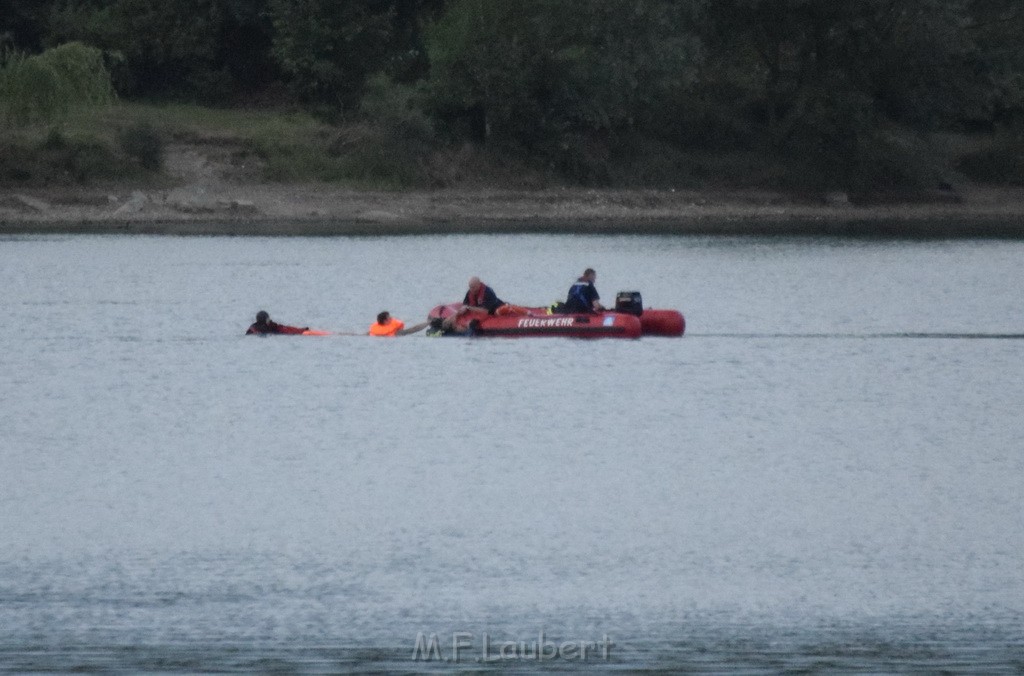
209	191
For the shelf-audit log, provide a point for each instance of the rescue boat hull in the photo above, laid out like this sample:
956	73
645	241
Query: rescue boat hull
538	323
603	325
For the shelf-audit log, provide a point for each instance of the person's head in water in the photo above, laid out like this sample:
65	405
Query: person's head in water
262	317
383	317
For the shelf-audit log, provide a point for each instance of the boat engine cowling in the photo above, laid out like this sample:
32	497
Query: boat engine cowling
629	302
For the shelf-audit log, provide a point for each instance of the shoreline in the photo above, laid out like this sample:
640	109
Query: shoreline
316	210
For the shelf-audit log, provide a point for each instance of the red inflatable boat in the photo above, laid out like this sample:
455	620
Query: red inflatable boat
628	320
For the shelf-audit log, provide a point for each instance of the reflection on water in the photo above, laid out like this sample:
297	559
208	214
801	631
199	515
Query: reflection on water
823	475
915	334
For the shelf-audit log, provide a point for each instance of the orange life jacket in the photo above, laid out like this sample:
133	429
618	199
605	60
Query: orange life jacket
392	327
477	299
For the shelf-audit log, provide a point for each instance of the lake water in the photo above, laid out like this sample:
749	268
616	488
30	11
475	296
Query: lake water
824	474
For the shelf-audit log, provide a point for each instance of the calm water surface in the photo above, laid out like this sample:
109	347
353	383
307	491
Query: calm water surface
824	474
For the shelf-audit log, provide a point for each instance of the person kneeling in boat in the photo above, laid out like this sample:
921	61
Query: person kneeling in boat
264	326
482	299
583	296
387	326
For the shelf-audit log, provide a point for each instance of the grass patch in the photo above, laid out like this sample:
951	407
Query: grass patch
128	140
291	146
392	147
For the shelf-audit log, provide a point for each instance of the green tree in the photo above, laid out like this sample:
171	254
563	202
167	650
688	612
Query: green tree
23	24
571	84
491	68
244	40
408	60
45	88
326	49
996	27
161	47
826	81
909	61
622	61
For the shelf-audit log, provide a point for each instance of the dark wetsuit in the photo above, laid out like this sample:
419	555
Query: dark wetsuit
485	298
581	297
273	327
437	328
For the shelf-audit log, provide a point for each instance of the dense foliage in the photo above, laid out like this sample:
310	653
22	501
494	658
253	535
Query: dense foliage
850	90
45	87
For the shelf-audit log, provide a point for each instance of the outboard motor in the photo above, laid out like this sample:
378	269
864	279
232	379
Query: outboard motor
629	302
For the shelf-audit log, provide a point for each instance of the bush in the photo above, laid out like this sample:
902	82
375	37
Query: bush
888	161
144	144
396	108
378	156
15	163
1000	164
391	146
57	159
88	160
862	159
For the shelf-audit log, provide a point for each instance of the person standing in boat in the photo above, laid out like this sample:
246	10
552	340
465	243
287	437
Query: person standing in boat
387	326
583	295
264	326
